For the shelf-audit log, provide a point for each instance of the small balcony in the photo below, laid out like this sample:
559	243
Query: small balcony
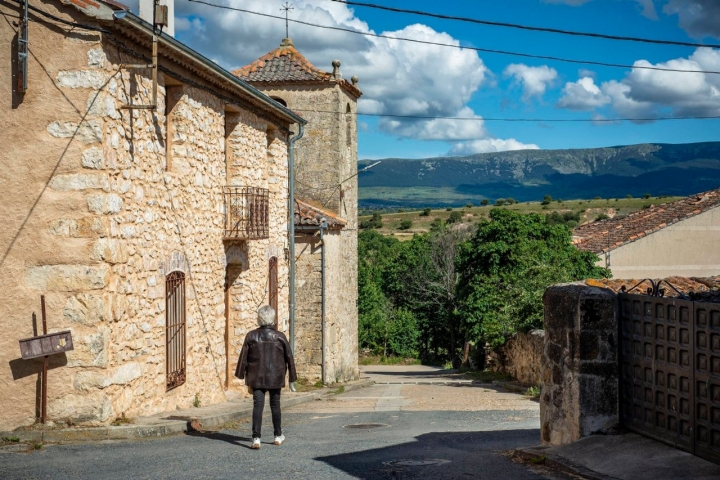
247	213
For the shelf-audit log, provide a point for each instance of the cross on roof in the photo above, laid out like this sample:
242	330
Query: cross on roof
286	8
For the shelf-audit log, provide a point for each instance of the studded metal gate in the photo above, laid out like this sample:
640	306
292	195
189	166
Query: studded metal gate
670	371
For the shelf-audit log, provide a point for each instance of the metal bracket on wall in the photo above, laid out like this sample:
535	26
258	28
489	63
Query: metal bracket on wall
154	67
22	79
160	19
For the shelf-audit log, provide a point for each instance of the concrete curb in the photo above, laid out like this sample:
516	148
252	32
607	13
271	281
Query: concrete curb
539	456
164	427
511	386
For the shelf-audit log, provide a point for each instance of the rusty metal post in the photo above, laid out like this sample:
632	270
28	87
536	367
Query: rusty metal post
43	394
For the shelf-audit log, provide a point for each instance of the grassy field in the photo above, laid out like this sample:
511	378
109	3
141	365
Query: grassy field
590	209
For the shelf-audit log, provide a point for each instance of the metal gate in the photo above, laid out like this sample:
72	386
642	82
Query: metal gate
175	330
670	370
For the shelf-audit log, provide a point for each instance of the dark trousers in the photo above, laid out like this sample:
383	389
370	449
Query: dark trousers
258	407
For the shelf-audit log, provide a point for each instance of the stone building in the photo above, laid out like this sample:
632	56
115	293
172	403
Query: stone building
153	231
325	189
674	239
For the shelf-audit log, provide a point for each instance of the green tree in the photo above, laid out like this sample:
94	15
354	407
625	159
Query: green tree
506	267
405	224
469	205
425	212
484	202
546	200
500	202
374	222
646	196
454	217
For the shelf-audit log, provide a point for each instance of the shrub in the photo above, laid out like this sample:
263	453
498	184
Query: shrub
454	217
500	202
374	222
425	212
405	224
469	205
646	196
628	196
485	202
601	216
448	209
546	200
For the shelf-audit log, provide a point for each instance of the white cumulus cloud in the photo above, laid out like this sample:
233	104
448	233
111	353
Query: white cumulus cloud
490	145
582	95
396	77
533	80
683	94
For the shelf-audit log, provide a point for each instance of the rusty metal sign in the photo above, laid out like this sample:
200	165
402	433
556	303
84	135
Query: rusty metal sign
43	345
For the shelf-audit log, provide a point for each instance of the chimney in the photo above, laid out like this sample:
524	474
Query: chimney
147	8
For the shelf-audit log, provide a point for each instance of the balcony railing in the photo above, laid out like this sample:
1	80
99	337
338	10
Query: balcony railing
247	213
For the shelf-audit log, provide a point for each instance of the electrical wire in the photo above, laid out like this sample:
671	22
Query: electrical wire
528	27
63	21
504	119
450	45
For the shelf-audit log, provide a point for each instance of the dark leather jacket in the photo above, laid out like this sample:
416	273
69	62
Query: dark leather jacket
264	359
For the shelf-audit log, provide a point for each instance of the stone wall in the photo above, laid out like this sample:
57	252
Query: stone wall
325	161
521	357
579	366
99	206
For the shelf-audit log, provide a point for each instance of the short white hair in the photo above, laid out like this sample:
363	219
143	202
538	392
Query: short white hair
266	316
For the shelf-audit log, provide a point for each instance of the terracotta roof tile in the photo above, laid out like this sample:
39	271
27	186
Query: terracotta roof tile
606	235
285	64
307	215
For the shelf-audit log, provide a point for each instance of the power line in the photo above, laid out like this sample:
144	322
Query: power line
440	44
506	119
528	27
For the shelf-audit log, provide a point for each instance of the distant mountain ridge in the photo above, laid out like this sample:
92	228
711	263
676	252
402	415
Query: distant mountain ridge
526	175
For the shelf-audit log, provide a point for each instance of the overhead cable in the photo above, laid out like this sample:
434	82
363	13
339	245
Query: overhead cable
529	27
450	45
510	119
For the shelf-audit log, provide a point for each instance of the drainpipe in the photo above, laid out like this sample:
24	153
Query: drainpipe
323	228
291	229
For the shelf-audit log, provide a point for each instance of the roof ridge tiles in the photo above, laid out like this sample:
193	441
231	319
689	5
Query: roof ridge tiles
599	236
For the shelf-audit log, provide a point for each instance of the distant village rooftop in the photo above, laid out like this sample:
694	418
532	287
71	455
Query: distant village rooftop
285	64
606	235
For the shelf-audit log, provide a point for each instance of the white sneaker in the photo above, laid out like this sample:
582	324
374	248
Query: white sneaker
279	440
256	444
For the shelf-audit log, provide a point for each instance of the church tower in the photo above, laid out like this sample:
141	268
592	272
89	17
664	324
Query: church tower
326	198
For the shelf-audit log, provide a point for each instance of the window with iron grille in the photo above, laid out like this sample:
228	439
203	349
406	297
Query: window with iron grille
273	281
175	329
247	213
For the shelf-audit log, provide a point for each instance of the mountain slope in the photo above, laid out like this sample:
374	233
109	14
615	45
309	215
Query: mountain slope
660	169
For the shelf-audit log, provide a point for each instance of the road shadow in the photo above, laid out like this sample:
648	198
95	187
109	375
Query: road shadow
224	437
458	455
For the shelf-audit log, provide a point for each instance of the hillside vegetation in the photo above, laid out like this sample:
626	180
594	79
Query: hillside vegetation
585	210
528	175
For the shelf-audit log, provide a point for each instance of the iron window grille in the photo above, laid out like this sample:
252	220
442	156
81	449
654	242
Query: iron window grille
247	213
175	330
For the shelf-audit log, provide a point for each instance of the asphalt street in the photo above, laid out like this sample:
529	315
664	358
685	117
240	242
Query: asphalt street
393	430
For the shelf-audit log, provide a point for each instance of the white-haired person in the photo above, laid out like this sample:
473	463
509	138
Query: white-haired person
264	360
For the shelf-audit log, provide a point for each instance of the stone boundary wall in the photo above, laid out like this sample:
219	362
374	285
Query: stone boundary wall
580	386
520	357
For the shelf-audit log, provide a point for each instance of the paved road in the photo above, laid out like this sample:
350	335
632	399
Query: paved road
424	431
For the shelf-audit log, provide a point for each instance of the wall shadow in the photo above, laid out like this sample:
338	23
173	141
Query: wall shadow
466	453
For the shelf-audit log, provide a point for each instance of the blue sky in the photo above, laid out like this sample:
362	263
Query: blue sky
407	78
